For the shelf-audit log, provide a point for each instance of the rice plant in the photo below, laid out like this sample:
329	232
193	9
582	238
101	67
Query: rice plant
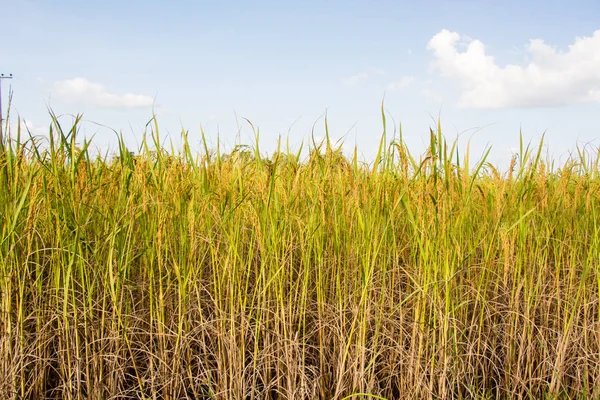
173	274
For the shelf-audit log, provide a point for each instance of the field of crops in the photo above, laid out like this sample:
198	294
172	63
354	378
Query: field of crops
177	275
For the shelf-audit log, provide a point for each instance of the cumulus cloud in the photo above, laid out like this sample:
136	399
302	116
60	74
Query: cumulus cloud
548	78
432	95
26	126
81	90
354	79
362	76
404	82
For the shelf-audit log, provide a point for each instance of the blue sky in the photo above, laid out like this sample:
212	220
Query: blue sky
490	67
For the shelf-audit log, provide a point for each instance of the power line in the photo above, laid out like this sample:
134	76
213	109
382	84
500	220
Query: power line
2	76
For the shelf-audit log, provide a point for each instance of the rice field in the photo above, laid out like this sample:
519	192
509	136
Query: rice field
175	274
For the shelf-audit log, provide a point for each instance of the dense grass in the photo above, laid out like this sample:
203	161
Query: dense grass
170	275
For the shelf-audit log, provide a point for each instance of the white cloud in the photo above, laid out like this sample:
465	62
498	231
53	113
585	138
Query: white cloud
26	126
362	76
404	82
549	78
430	94
354	79
81	90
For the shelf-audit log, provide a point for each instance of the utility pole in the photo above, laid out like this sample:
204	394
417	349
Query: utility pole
2	76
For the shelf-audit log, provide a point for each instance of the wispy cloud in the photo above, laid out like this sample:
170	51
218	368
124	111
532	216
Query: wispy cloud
81	90
549	78
27	126
354	79
362	76
404	82
431	95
